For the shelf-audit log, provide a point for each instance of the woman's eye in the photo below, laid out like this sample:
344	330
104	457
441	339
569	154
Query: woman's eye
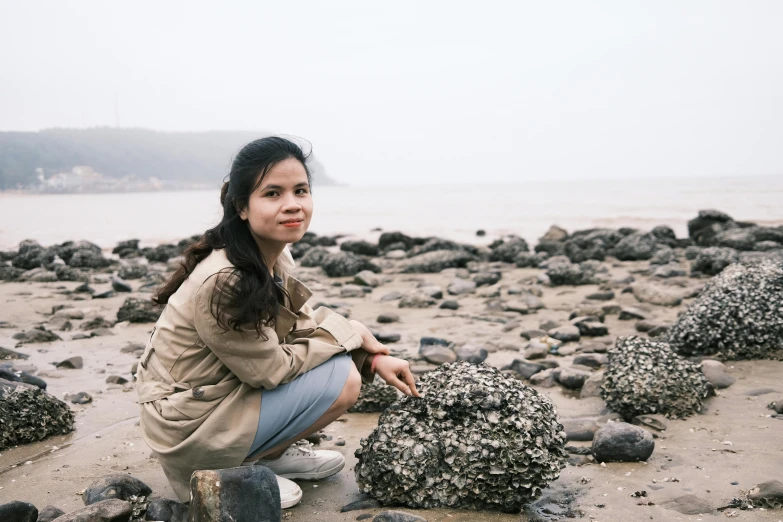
271	193
302	191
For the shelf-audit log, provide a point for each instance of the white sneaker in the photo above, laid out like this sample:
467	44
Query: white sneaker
290	492
302	462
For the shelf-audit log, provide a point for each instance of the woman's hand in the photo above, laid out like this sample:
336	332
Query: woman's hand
397	373
369	342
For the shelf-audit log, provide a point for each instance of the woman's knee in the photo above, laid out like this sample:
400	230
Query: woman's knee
351	388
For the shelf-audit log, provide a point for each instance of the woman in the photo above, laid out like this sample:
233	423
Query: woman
238	367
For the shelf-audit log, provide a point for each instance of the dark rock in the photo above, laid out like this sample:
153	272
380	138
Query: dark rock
166	510
18	511
593	360
656	295
572	274
37	335
591	328
433	291
525	368
461	286
119	285
688	505
115	486
636	247
544	378
449	305
116	379
160	253
367	278
72	363
88	257
646	376
435	261
129	248
437	354
111	510
29	414
67	273
508	250
603	295
486	278
738	315
49	513
390	238
245	493
6	354
366	502
622	442
98	322
138	310
10	273
592	386
416	299
386	318
654	422
707	224
343	264
532	334
32	255
397	516
84	289
668	271
359	247
555	233
79	398
8	373
714	260
530	260
437	244
628	312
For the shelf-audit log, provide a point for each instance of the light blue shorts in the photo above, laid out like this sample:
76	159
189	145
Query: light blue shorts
291	408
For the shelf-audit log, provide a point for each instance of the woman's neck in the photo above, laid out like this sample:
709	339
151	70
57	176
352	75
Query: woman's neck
271	252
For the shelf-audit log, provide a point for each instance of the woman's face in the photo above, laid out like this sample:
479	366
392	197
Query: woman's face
279	210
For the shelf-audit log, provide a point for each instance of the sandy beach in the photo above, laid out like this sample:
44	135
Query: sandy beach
716	455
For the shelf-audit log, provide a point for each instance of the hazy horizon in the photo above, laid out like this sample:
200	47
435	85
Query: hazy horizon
420	94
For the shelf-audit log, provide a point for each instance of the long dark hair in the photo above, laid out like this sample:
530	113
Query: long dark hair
245	294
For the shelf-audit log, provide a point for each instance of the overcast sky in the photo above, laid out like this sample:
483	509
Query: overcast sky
405	92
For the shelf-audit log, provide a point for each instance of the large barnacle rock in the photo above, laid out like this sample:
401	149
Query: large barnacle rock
476	439
29	414
646	376
738	315
375	397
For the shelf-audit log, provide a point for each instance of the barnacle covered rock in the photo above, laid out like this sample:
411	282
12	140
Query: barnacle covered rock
29	414
375	397
646	376
476	439
738	315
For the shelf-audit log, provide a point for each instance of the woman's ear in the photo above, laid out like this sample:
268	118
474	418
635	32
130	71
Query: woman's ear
242	212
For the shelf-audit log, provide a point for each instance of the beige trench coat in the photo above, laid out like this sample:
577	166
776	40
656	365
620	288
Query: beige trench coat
200	388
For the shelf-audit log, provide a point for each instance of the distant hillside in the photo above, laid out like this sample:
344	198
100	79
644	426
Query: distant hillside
181	156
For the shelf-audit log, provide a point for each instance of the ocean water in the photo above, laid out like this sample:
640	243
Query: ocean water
455	212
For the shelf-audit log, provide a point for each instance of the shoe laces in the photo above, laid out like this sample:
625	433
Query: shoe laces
301	448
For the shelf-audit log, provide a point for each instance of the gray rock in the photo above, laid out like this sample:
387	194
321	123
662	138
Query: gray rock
118	486
36	335
555	233
580	430
133	270
767	494
603	295
508	250
591	328
487	278
397	516
118	285
78	398
366	502
565	333
449	305
544	378
592	386
72	363
715	372
738	315
636	247
351	291
392	296
571	378
460	286
688	505
525	369
658	423
344	264
363	248
367	278
471	353
593	360
116	379
234	494
18	511
532	334
6	354
112	510
572	274
655	295
49	513
416	299
628	312
668	271
437	354
622	442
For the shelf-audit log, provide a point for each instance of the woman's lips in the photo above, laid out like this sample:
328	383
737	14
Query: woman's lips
292	224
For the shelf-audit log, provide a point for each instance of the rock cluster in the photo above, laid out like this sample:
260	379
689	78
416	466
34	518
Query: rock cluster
738	315
374	397
646	376
476	439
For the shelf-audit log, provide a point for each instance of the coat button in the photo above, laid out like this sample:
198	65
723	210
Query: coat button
198	392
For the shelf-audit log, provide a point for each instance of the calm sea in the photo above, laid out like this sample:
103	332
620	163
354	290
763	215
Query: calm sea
455	212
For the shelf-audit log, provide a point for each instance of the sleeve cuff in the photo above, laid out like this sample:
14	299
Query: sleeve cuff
342	331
